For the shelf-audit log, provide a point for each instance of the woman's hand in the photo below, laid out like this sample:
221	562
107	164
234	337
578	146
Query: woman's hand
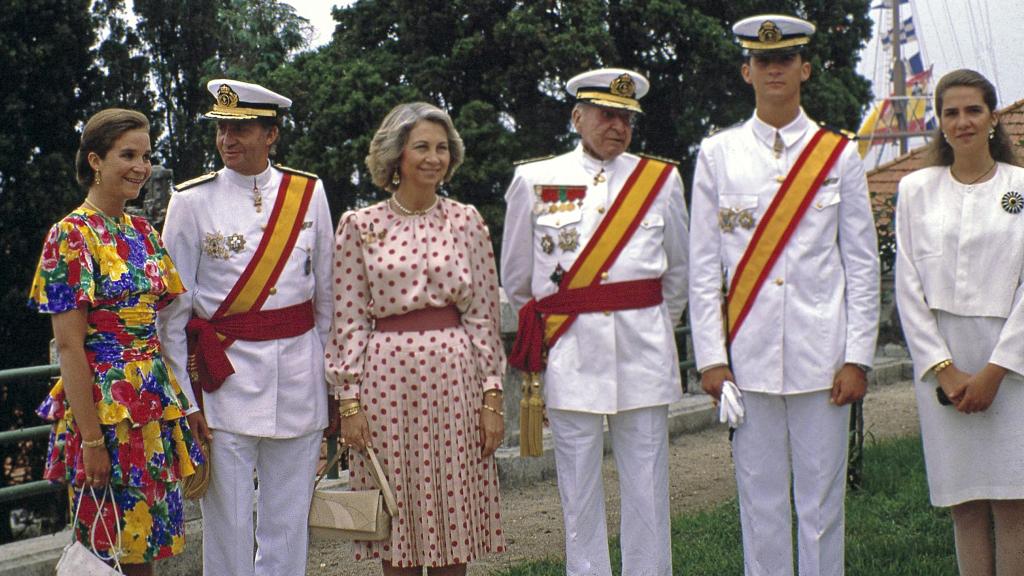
492	425
980	389
355	431
96	462
953	382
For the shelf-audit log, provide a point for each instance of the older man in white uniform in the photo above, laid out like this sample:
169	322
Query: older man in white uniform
616	358
798	251
252	243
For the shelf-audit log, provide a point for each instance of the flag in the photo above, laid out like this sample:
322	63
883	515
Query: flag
882	118
907	33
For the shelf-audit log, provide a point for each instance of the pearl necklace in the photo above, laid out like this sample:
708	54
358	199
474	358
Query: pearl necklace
408	212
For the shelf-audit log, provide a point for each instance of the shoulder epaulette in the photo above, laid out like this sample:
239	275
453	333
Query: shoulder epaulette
840	131
659	158
195	181
283	168
530	160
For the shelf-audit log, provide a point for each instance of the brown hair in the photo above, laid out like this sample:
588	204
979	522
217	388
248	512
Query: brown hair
99	135
389	141
940	153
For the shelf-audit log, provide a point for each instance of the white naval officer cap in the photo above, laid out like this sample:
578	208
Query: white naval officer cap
237	100
609	87
773	33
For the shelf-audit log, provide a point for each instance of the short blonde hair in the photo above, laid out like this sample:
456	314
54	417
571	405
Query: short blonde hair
389	141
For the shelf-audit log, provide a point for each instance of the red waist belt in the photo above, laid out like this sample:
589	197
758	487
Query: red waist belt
210	352
528	350
422	320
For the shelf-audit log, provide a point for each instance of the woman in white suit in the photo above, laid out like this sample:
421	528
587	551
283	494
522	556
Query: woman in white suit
959	288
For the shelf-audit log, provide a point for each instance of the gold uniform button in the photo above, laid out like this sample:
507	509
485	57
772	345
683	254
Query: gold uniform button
604	275
273	290
780	179
600	209
607	313
778	282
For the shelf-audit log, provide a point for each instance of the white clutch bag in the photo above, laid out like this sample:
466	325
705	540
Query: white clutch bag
354	514
76	559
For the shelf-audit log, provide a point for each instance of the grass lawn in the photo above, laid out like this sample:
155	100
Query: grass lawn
891	529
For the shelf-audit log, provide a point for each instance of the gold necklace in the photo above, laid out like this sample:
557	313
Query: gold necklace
975	181
96	208
408	212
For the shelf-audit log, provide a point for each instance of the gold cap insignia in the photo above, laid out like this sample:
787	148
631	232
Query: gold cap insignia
769	33
227	97
623	86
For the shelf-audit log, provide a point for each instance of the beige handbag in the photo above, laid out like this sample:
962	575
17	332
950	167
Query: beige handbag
353	514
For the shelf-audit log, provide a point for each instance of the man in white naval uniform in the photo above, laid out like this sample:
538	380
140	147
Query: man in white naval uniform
617	365
268	415
800	355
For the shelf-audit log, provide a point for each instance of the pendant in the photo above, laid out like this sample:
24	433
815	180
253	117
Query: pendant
556	276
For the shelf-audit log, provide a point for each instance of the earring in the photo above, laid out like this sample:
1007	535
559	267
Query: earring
396	179
98	179
991	132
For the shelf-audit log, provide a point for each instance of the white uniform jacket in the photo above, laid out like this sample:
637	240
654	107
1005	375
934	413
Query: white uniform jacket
278	388
818	308
605	362
958	250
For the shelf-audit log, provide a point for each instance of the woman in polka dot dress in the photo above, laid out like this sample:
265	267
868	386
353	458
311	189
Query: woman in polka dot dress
416	356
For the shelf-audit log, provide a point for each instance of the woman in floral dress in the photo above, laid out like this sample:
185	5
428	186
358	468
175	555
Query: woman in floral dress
416	356
118	413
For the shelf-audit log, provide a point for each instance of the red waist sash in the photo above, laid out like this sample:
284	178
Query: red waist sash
206	344
422	320
528	350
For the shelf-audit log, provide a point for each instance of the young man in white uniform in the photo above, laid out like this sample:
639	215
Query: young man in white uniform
270	408
800	350
618	362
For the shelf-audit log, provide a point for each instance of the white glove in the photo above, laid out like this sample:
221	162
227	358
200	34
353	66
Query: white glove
730	407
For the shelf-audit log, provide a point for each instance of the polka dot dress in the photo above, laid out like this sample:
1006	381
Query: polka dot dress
421	391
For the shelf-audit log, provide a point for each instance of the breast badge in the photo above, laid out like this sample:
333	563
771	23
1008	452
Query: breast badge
216	246
553	198
547	244
1013	202
236	243
729	218
568	239
370	237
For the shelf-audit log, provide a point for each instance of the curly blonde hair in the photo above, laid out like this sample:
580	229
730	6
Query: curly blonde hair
390	139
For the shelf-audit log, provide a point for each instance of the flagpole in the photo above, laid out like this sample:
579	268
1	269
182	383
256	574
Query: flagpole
898	76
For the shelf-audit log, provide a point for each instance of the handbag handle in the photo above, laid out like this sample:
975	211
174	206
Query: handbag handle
115	552
376	471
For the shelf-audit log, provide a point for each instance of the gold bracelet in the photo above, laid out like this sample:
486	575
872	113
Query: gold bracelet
495	410
493	392
350	412
348	403
93	443
941	366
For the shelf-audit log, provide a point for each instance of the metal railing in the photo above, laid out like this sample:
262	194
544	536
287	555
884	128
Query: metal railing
35	487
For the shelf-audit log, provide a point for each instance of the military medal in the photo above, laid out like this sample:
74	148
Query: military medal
1013	202
725	220
568	239
257	196
308	266
555	198
215	246
547	244
599	177
556	276
745	219
236	243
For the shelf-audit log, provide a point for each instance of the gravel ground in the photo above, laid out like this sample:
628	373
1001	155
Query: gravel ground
700	475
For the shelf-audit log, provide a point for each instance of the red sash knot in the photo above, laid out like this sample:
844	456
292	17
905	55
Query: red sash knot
528	350
210	350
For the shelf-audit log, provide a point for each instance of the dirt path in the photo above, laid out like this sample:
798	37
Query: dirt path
700	476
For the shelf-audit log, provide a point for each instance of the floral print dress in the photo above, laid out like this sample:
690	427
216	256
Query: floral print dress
118	269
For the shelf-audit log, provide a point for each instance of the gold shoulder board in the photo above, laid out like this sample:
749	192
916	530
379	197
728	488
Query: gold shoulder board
195	181
659	158
283	168
530	160
844	133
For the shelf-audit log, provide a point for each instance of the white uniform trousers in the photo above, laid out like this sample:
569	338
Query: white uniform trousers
285	469
640	444
803	437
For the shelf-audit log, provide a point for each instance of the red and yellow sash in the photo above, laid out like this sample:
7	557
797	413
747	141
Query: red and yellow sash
253	286
779	222
615	230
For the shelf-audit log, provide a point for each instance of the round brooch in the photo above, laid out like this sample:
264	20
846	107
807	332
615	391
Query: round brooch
1013	202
